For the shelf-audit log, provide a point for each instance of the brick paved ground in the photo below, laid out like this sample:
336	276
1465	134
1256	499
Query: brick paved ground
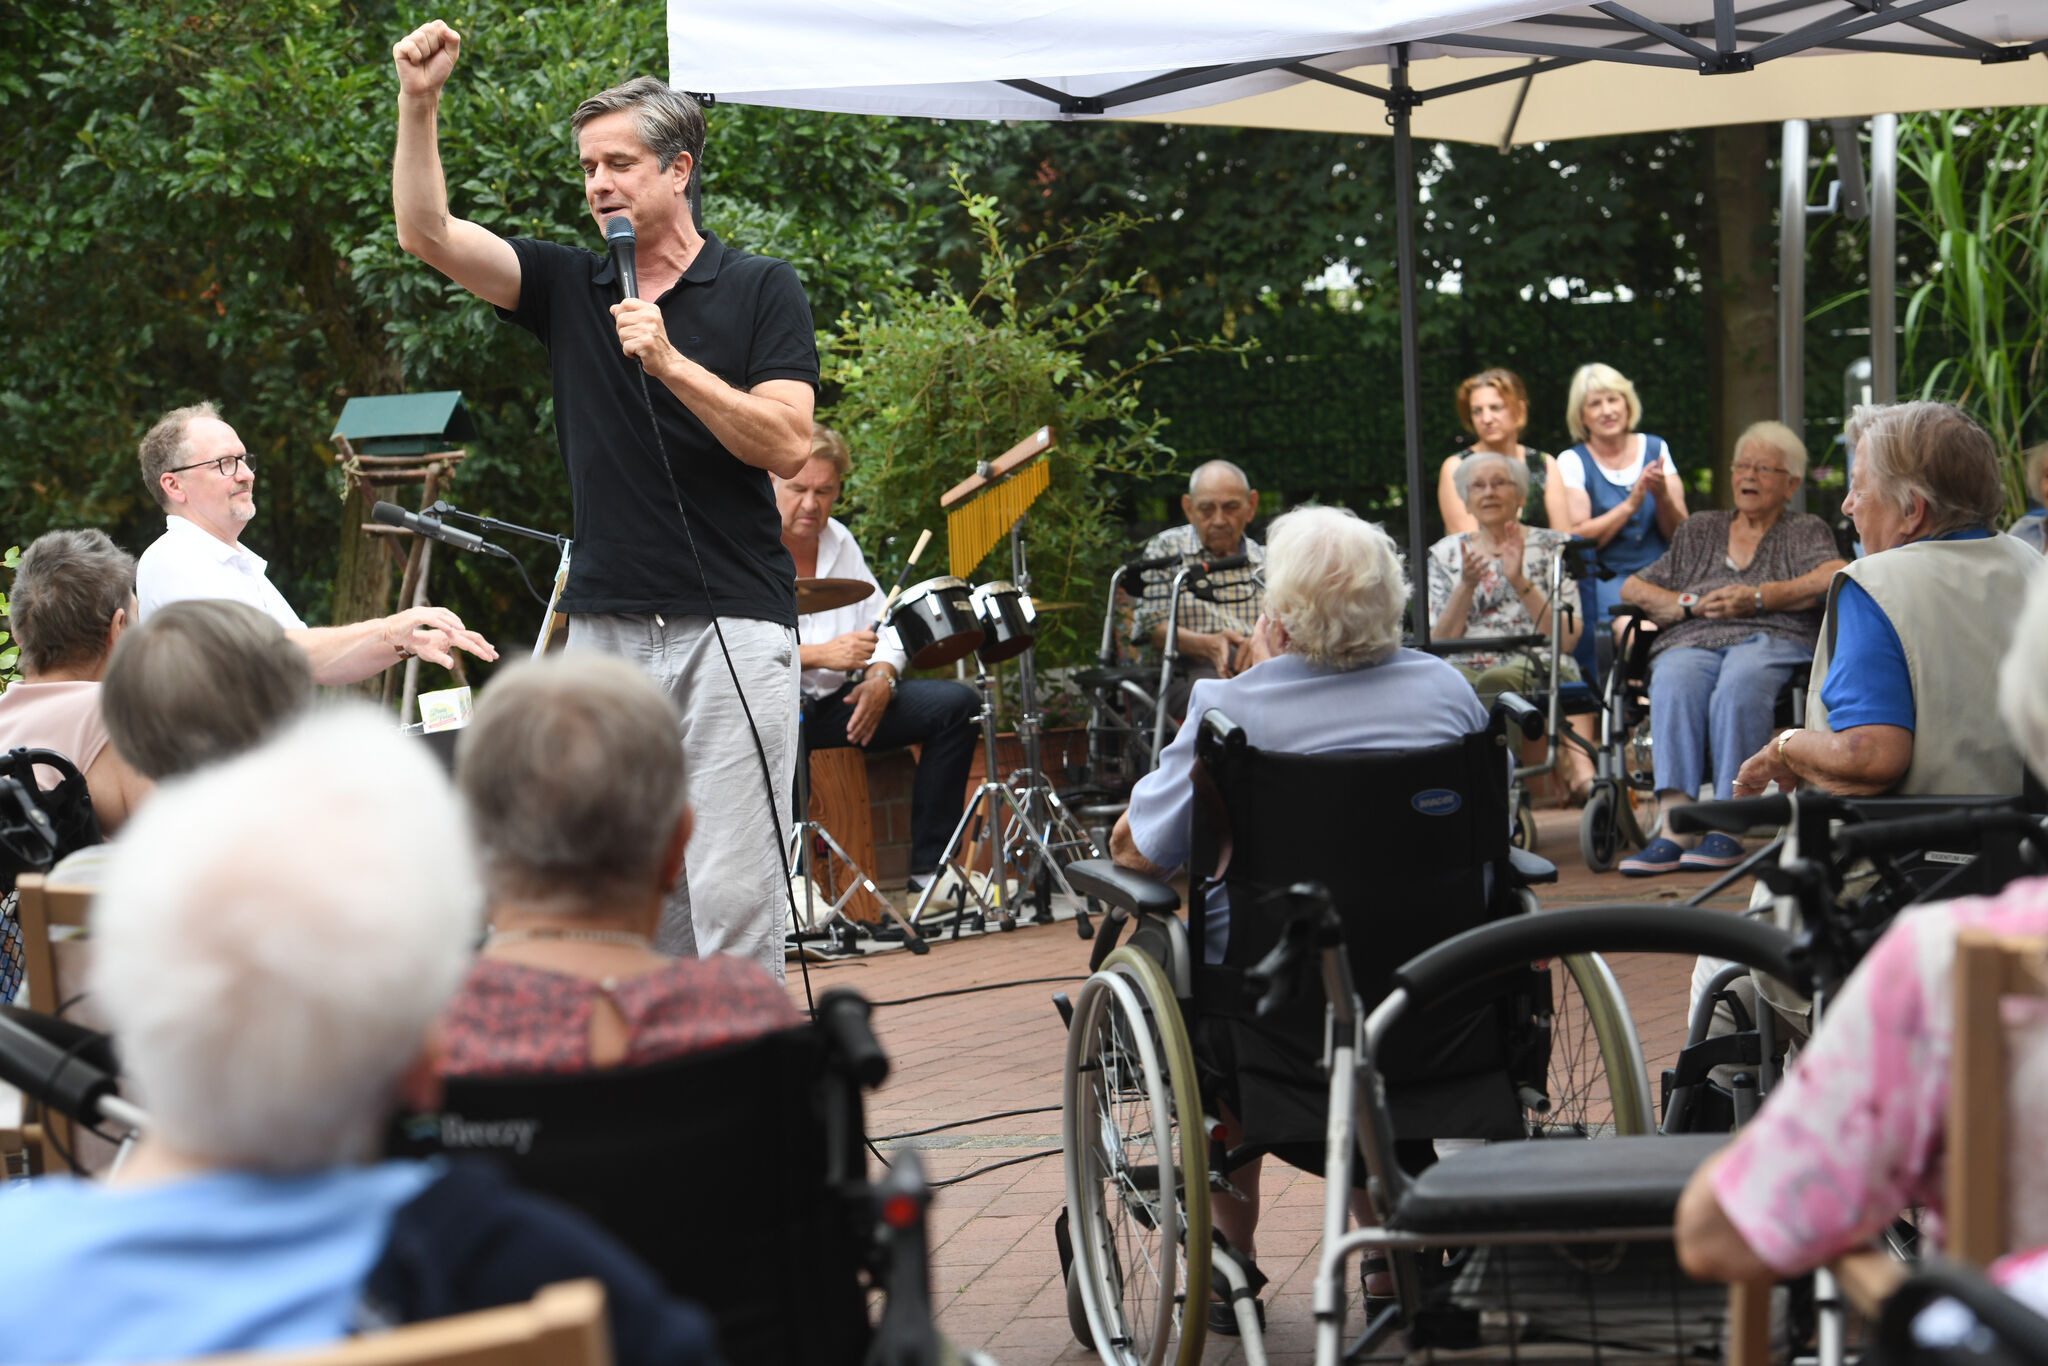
995	1271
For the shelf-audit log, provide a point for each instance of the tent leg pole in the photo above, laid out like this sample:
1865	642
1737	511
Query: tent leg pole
1792	277
1411	360
1884	258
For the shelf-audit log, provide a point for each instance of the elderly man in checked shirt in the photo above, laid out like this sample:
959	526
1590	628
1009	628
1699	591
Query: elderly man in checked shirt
1213	638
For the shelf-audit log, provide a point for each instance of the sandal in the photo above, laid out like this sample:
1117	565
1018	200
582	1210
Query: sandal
1376	1277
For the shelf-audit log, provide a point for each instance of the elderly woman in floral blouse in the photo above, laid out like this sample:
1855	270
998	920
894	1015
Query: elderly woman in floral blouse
1494	579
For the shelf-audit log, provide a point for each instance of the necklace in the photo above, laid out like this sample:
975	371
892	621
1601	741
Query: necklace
637	941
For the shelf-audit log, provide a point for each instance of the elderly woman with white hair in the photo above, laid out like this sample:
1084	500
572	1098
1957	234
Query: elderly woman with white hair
273	991
1856	1131
1336	679
1737	600
1494	580
1903	699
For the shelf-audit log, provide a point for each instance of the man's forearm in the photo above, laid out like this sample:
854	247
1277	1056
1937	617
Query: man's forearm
1862	761
341	655
419	190
761	431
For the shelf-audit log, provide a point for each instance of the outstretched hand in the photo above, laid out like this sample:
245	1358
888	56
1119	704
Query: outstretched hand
434	633
425	57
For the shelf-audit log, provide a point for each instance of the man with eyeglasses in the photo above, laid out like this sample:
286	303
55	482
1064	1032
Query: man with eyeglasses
1737	600
1212	638
205	481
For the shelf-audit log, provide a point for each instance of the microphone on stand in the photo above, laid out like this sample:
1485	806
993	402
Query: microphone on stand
618	234
391	514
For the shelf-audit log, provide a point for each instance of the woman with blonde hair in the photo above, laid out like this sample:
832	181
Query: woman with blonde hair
1494	407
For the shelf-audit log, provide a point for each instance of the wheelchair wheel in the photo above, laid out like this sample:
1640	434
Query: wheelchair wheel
1137	1168
1598	1084
1600	834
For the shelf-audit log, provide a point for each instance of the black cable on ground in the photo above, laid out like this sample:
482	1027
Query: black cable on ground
969	991
994	1166
962	1123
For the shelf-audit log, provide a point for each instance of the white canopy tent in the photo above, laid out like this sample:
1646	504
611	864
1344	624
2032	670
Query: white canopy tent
1487	71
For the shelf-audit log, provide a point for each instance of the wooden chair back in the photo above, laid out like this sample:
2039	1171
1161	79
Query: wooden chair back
40	907
563	1325
43	906
1989	969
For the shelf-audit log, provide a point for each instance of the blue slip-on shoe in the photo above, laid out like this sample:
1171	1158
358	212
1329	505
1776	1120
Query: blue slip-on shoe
1715	853
1661	856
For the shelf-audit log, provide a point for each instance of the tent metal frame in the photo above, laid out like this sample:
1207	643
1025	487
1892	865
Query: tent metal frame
1648	43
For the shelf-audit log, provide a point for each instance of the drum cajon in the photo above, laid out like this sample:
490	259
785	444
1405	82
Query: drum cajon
839	802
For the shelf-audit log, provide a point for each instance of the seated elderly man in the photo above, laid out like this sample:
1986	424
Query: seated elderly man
1904	699
576	792
1737	598
881	710
1212	639
73	596
1856	1131
272	992
1336	679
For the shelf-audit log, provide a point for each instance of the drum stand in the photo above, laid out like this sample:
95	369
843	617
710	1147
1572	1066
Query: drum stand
1032	805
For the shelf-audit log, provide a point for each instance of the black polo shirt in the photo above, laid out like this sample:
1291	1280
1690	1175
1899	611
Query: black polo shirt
742	317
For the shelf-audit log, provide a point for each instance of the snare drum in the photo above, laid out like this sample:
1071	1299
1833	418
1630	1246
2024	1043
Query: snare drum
935	622
1007	618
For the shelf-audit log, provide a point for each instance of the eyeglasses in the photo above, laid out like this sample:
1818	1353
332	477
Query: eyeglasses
225	464
1742	467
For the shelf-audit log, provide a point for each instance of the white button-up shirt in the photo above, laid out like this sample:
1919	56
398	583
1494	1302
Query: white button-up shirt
839	557
188	561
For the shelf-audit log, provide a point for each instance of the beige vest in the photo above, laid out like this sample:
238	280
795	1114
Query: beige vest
1953	605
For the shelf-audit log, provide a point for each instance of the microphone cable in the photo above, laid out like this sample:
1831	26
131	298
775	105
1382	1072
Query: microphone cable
732	671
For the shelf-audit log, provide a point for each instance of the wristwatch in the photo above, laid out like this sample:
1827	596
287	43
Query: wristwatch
891	676
1687	601
1759	598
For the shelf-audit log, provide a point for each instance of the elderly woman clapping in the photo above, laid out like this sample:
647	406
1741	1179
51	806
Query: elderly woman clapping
1738	598
1904	695
1494	580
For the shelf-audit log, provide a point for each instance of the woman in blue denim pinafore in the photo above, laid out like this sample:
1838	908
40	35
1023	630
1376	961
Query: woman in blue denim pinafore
1621	489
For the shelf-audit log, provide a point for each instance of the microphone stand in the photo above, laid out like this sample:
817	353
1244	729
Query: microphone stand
563	545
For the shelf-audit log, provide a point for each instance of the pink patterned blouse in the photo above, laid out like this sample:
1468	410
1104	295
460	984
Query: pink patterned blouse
1855	1133
513	1019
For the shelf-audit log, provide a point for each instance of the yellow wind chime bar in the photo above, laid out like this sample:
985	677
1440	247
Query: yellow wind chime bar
982	509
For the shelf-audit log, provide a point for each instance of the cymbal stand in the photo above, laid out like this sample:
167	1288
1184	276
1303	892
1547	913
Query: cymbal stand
1040	801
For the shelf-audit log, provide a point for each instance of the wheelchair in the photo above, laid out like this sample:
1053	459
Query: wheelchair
1539	1047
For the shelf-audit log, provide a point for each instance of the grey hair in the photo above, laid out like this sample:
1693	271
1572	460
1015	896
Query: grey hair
66	591
827	444
1779	440
573	770
266	988
1517	468
1222	466
198	682
1335	583
2023	679
1935	450
163	446
2034	469
670	123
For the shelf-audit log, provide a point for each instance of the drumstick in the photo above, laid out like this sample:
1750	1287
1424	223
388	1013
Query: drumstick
924	539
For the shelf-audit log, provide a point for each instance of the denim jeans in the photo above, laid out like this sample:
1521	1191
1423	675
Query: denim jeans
936	713
1716	702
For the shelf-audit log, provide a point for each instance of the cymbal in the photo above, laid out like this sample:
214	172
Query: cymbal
822	595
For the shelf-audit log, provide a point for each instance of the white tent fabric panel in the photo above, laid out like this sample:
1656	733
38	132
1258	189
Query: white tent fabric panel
938	58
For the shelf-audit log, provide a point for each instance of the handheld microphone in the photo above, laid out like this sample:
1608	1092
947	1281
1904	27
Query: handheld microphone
391	514
618	234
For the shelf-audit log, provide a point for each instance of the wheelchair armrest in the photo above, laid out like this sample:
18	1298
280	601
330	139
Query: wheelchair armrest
1530	870
1127	891
1467	645
1623	927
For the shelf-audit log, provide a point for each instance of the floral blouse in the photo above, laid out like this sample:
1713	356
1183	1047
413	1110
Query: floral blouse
1497	610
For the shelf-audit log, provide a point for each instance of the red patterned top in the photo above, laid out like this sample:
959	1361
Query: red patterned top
513	1019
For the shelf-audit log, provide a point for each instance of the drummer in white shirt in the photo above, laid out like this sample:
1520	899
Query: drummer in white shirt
884	710
205	481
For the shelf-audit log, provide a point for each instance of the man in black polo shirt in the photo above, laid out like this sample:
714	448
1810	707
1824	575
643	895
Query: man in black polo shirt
720	344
